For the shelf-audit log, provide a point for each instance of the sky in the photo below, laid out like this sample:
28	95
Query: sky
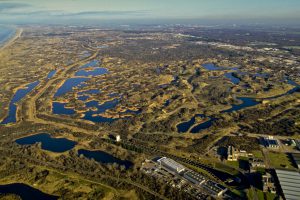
56	11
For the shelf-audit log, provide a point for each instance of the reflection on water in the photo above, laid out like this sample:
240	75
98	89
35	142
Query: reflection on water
51	74
69	85
57	145
19	95
93	63
232	78
95	72
25	192
60	109
92	115
105	158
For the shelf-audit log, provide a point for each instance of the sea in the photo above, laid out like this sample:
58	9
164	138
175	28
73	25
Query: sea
6	33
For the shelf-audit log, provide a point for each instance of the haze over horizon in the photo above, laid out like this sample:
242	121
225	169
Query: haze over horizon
69	11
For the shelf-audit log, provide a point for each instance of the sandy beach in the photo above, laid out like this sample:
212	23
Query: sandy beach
12	39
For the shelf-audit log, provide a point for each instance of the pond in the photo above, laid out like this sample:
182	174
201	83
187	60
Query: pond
296	88
246	102
91	115
232	78
91	91
25	192
104	158
83	96
69	85
93	63
95	72
57	145
212	67
204	125
19	95
185	126
51	74
60	109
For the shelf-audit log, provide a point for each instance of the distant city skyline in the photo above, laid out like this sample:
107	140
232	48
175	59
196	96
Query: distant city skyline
43	11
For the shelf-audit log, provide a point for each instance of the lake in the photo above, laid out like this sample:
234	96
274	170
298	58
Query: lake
246	102
185	126
49	143
212	67
19	95
95	72
91	91
104	158
59	108
25	192
69	85
91	115
92	63
203	125
101	108
232	78
51	74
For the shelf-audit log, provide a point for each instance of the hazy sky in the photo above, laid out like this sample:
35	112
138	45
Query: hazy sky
53	10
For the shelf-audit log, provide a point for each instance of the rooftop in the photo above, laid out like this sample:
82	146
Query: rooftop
171	164
289	183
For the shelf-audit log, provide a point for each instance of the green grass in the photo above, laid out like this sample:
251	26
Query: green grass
270	196
280	160
261	170
244	158
233	163
260	195
257	154
227	168
250	194
238	193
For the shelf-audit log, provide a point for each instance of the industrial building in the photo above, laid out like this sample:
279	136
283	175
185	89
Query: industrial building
232	154
270	142
171	165
214	188
194	177
289	182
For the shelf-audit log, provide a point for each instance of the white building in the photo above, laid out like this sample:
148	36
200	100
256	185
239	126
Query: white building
118	138
171	165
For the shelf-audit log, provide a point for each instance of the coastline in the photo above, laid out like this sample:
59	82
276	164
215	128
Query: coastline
12	39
